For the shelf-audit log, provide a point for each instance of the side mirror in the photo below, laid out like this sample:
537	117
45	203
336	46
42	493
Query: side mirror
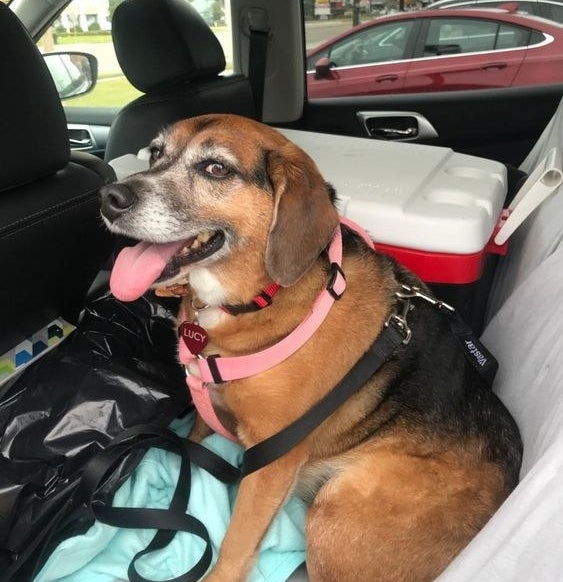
74	73
322	68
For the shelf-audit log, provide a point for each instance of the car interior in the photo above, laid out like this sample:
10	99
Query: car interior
47	193
56	252
179	76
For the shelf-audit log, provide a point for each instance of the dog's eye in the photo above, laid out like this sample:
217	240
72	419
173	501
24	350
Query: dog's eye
217	169
156	152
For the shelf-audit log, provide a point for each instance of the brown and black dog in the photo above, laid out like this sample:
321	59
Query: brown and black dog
403	475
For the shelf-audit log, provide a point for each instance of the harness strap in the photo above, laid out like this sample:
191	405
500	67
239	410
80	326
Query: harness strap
215	369
237	367
274	447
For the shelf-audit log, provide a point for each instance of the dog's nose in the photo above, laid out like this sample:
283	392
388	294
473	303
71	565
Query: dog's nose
116	199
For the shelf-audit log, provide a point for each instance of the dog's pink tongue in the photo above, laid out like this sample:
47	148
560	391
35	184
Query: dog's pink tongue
137	268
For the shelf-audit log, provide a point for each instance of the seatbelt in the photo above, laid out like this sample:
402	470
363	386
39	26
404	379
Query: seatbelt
259	33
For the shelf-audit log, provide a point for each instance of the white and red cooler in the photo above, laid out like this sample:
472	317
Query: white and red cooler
431	208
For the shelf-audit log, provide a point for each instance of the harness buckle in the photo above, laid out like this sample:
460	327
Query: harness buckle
336	276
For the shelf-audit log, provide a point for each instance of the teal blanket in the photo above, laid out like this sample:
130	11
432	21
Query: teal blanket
103	553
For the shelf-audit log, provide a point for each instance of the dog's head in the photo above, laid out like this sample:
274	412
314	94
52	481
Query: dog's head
227	194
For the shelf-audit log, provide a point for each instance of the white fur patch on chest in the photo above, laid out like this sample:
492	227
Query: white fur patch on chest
208	290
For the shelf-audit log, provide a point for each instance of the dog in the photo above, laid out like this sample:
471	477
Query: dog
410	467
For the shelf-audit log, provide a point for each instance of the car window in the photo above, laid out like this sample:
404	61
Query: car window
468	35
552	11
461	36
376	44
523	7
85	26
512	37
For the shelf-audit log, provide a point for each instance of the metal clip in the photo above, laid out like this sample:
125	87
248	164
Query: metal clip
400	320
196	307
186	366
412	292
404	296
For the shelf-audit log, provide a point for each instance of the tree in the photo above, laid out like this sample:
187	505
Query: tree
112	5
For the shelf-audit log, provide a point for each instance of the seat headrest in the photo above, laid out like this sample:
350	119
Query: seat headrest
32	124
161	44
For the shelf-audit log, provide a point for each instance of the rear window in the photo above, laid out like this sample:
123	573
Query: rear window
553	11
473	35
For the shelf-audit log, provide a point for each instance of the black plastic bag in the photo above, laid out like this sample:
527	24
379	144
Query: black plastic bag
117	370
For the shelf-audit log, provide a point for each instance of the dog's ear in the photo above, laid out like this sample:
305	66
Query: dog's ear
304	216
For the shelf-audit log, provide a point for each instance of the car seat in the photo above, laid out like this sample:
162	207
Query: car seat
524	330
52	240
167	51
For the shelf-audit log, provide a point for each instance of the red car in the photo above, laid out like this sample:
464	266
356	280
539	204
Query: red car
437	50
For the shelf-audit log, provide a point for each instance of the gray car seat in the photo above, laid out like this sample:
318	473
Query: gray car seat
522	541
167	51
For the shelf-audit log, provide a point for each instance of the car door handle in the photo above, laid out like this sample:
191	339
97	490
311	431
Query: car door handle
80	143
383	78
494	66
396	125
395	133
80	137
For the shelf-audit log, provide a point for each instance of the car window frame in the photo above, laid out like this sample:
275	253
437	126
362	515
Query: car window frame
425	26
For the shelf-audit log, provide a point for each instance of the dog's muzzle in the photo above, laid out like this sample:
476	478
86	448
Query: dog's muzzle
115	200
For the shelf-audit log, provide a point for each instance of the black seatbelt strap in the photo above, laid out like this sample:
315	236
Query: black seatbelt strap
475	352
257	52
473	349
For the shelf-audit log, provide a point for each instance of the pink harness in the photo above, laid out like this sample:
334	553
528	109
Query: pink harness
214	369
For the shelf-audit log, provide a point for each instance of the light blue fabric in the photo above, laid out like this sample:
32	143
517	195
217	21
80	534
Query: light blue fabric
103	553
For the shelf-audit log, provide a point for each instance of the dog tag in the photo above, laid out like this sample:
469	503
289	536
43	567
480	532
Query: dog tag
194	336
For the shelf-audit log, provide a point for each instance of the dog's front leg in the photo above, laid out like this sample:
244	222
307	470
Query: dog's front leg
260	497
200	430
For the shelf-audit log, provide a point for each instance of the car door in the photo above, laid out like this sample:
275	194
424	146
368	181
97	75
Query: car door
498	123
466	53
544	59
371	61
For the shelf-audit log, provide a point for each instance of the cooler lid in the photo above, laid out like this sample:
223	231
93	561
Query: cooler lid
415	196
